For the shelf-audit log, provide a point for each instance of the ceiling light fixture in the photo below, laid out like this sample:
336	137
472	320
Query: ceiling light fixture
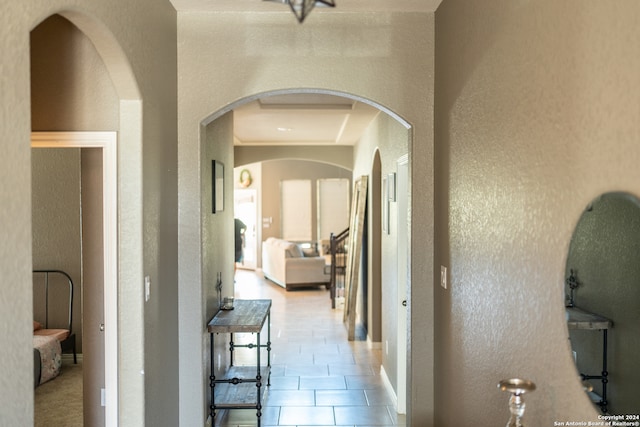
302	8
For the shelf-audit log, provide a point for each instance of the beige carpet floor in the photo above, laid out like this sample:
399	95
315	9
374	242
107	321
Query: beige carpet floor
58	402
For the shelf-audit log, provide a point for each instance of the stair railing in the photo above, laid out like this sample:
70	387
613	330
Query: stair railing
338	248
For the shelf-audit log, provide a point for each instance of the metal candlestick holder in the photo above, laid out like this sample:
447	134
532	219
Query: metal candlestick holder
219	288
517	388
572	282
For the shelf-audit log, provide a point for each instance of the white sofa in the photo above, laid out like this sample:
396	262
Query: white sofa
284	263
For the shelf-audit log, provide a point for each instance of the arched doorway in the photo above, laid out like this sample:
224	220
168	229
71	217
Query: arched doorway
59	75
216	142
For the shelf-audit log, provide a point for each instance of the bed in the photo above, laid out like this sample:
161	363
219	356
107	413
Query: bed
52	324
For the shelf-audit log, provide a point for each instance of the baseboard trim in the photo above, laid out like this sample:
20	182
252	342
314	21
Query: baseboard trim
389	387
373	345
68	357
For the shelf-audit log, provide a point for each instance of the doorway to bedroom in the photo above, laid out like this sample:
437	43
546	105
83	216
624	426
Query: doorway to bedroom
74	230
81	79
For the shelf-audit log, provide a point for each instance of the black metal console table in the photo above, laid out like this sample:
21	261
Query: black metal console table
242	387
581	319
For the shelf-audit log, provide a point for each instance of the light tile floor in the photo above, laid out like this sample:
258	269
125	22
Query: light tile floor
318	377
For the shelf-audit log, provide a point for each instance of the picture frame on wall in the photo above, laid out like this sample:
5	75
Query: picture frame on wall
217	186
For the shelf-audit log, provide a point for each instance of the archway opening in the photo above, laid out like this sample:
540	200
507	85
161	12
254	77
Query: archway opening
391	134
74	61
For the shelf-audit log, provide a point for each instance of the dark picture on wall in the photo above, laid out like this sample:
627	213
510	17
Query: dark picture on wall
217	186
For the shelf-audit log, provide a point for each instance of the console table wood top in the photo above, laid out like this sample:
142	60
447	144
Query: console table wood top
247	316
581	319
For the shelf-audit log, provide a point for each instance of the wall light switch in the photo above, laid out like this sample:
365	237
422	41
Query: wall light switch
147	288
443	276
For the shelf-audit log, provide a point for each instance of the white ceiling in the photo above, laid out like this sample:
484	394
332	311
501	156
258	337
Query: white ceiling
303	119
341	6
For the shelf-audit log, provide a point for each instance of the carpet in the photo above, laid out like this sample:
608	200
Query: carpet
59	402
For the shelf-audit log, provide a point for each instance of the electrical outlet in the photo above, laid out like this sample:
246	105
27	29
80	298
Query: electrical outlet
443	276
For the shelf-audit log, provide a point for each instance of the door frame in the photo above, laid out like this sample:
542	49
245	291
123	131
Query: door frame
107	141
403	246
254	194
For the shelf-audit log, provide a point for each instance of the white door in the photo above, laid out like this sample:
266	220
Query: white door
403	260
93	350
246	210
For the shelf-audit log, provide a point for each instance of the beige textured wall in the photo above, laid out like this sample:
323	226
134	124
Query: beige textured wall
137	41
226	57
536	114
391	138
68	76
56	227
217	244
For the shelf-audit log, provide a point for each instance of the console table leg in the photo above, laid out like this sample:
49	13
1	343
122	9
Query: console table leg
212	378
231	349
269	346
605	373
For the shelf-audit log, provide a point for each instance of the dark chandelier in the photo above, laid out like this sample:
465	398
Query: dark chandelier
302	8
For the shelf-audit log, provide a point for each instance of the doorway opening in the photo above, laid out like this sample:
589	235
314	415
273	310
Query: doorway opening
98	261
370	296
246	210
69	50
215	140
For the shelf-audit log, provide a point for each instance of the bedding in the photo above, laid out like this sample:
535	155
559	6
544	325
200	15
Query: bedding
50	353
51	334
59	334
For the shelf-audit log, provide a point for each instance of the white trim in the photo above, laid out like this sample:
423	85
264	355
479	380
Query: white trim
387	385
402	165
373	345
68	357
108	142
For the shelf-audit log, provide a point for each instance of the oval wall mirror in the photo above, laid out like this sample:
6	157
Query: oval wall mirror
602	299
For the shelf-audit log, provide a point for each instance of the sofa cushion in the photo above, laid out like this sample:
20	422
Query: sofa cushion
294	251
310	252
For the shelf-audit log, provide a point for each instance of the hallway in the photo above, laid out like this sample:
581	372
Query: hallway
318	377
